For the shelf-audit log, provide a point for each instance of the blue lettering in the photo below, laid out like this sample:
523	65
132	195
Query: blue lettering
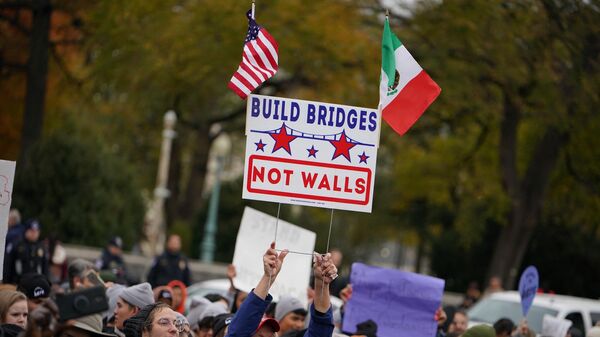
340	117
295	112
265	106
352	116
322	115
255	110
363	120
275	115
310	114
331	110
372	121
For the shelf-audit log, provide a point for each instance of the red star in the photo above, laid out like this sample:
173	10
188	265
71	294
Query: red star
342	147
260	146
312	152
363	158
282	140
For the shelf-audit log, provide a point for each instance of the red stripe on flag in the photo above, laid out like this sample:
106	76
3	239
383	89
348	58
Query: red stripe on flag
237	90
244	81
272	66
271	39
244	65
411	102
259	63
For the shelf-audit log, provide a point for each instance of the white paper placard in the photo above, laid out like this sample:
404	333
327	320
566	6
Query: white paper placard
257	231
555	327
7	176
310	153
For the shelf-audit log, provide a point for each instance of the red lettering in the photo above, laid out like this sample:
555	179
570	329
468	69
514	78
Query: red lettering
360	186
277	178
347	189
287	173
335	184
324	183
309	179
258	174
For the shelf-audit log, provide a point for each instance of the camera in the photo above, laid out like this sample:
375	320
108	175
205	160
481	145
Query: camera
81	303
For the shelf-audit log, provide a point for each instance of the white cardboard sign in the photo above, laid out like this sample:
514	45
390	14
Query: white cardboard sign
256	233
555	327
310	153
7	176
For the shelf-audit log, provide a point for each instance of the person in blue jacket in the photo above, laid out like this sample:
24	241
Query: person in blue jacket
249	315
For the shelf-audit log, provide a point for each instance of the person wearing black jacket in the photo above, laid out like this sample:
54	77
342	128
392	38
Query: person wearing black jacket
170	265
28	256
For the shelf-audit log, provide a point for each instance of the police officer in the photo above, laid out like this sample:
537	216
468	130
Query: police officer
112	259
28	256
170	265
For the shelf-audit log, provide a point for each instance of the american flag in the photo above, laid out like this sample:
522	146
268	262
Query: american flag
259	60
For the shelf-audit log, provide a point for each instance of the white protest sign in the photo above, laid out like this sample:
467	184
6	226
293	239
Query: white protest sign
7	176
555	327
310	153
256	233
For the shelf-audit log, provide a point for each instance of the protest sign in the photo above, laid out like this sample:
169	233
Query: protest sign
256	233
402	304
528	285
7	175
555	327
310	153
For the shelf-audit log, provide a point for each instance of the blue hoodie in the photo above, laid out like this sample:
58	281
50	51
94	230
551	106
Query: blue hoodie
250	313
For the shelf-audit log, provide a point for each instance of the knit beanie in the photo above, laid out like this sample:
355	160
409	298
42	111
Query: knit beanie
139	295
133	326
480	331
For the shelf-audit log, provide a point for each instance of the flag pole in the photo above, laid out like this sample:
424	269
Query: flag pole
253	8
387	11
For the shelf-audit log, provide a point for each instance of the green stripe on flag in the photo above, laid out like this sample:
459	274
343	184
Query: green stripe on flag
389	44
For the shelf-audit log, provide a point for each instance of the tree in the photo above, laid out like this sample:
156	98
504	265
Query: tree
78	190
25	37
151	56
519	79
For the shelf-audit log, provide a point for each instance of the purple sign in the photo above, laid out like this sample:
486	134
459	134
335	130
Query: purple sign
528	286
402	304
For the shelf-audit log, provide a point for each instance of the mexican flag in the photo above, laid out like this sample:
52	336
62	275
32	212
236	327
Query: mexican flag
405	90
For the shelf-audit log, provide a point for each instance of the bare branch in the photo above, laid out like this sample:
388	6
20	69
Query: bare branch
14	21
63	67
15	4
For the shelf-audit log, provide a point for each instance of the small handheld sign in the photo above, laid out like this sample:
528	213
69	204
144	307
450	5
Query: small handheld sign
528	286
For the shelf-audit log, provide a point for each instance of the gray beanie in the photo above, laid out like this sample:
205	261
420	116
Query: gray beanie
139	295
200	312
286	305
113	294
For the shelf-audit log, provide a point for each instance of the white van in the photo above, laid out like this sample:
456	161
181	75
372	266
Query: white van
583	312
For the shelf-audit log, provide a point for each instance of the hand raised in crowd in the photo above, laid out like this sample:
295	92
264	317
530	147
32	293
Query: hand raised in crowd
324	269
273	261
440	316
346	293
523	328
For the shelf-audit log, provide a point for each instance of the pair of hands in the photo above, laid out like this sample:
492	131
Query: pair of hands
324	269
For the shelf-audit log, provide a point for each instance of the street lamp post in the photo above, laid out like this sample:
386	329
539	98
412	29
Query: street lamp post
155	226
221	148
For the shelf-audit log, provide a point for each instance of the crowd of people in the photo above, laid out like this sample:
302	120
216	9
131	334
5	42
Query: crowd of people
40	290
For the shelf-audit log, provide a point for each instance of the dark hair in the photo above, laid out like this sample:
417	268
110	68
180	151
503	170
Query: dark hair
301	312
270	312
157	307
216	298
504	325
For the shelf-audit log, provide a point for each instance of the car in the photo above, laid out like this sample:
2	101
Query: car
201	289
583	312
221	287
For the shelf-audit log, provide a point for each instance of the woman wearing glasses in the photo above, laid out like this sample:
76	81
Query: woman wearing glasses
154	320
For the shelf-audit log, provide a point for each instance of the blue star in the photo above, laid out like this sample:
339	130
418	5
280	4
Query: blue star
363	158
260	145
312	152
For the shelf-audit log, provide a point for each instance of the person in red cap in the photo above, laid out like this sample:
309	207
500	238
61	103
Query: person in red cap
267	328
248	320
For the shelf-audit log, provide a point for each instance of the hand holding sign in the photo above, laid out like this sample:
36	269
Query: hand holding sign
272	262
528	285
